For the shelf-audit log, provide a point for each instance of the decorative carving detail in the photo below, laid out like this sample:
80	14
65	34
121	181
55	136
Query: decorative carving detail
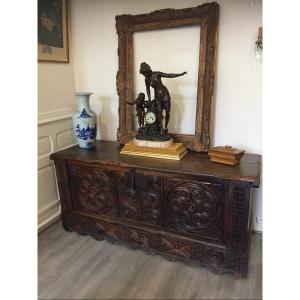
192	207
133	237
119	81
168	181
112	232
128	204
237	263
208	84
177	247
94	190
204	11
214	257
154	182
124	180
123	23
238	237
143	239
168	245
150	208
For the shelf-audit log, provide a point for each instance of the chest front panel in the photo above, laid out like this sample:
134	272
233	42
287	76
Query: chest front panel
181	204
195	207
92	189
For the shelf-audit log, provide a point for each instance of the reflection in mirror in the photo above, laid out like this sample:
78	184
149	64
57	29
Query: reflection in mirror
170	51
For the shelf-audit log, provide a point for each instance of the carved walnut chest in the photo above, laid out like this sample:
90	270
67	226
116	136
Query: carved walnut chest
192	210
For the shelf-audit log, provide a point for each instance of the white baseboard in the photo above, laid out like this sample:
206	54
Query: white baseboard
48	222
47	215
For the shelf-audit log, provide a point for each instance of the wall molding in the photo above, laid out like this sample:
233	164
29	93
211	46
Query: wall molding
54	119
48	132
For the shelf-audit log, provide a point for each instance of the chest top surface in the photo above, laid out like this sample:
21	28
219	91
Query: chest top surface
107	152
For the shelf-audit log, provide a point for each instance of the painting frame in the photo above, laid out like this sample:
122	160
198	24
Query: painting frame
205	15
51	47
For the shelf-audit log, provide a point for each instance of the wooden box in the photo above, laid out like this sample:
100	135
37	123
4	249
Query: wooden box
226	155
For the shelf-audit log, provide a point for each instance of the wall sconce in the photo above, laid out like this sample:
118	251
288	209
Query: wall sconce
259	44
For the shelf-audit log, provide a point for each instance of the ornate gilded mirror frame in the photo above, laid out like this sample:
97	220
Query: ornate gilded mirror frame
205	15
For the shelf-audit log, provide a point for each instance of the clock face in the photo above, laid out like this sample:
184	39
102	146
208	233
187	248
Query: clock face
150	117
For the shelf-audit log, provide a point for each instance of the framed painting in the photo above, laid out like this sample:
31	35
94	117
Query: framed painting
129	28
53	31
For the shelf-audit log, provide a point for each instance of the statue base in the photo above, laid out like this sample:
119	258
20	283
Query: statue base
152	132
176	151
153	144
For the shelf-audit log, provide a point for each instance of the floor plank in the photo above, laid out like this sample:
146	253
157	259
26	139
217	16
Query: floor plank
78	267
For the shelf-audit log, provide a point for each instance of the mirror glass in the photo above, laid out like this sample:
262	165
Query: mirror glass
170	51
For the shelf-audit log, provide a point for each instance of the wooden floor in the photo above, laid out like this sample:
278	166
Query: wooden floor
78	267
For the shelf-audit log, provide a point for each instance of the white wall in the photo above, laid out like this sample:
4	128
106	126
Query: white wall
55	90
56	103
237	118
162	57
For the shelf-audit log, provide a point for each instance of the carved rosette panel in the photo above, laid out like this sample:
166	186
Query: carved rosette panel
209	256
128	204
150	208
192	207
94	191
214	257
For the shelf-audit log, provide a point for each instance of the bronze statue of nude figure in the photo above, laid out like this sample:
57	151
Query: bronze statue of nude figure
161	93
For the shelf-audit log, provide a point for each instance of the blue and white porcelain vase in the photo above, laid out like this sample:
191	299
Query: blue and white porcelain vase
85	122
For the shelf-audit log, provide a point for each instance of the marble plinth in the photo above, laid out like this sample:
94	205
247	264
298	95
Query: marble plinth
153	144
